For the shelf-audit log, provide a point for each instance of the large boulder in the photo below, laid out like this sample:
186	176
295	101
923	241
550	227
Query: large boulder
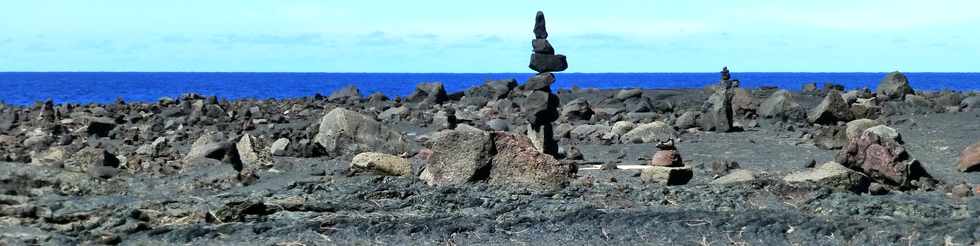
252	153
856	127
544	63
541	107
830	137
879	154
540	82
780	105
833	175
89	158
347	94
742	102
970	158
832	109
653	132
625	94
345	132
894	86
213	145
518	163
577	110
589	132
490	90
970	103
99	126
433	93
382	163
717	111
458	157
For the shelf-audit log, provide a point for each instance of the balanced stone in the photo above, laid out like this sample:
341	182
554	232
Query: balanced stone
539	30
544	63
542	46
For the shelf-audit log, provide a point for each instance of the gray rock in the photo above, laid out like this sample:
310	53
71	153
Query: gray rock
157	147
433	92
832	174
347	94
541	107
490	90
540	82
809	88
577	110
832	109
213	145
894	86
382	163
717	112
253	155
544	63
831	137
667	175
687	120
88	158
856	127
970	103
653	132
345	132
458	157
737	176
498	125
100	126
278	147
395	113
589	132
622	95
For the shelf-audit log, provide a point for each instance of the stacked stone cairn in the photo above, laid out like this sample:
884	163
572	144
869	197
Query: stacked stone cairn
717	112
541	106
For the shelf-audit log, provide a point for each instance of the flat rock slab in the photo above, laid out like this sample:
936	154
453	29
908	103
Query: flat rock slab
667	175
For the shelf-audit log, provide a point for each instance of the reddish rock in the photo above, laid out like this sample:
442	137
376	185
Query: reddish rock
518	163
970	158
667	155
879	154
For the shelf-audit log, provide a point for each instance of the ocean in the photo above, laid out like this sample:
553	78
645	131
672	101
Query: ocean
24	88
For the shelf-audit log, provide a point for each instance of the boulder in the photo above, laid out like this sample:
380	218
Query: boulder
347	94
879	154
213	145
736	176
433	93
970	158
518	163
856	127
809	88
667	175
490	90
544	63
742	102
154	149
780	105
624	94
498	125
717	111
832	109
687	120
54	156
253	155
894	86
540	32
830	137
345	132
618	129
89	158
970	103
541	107
395	113
458	157
278	147
542	46
589	132
382	163
100	126
834	175
653	132
577	110
540	82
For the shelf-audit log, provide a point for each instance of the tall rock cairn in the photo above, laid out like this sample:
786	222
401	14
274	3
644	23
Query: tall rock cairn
717	112
541	106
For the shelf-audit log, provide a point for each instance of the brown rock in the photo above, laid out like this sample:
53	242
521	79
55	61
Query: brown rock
879	154
970	158
667	155
518	163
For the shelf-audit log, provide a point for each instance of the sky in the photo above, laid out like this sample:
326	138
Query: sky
488	36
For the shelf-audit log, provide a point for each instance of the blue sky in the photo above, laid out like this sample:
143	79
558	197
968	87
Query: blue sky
488	36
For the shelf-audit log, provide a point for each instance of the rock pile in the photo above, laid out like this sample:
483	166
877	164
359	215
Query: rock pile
667	167
717	112
541	105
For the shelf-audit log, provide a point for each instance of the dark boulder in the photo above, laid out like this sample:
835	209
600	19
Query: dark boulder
542	46
348	94
577	110
540	32
518	163
458	157
780	105
544	63
540	82
433	92
832	109
345	132
541	107
894	86
717	112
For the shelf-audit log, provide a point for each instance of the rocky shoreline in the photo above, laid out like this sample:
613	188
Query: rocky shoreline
501	163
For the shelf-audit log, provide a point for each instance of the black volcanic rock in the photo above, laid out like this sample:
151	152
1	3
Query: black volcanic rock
541	107
542	46
548	63
539	30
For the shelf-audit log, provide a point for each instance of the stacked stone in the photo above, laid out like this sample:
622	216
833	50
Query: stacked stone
541	106
717	112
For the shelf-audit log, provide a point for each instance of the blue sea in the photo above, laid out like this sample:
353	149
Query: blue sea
103	87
